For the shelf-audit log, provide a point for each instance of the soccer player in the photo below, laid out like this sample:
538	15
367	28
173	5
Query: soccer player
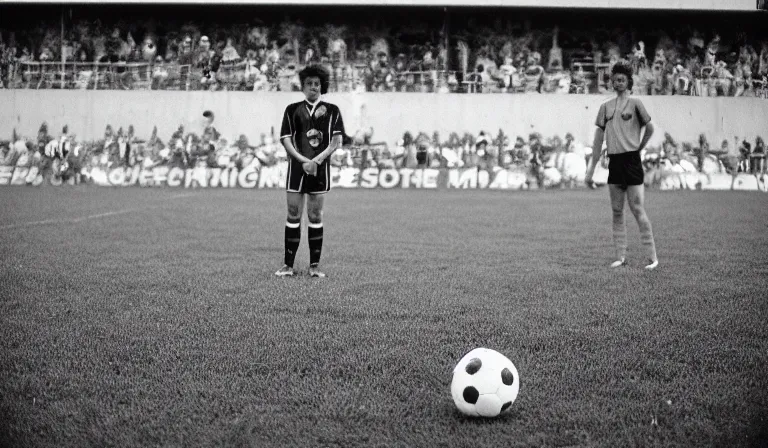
312	129
621	121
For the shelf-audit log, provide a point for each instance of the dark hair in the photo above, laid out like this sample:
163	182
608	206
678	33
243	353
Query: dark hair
622	68
315	71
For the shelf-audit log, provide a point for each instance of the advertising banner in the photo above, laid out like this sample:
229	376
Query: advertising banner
270	177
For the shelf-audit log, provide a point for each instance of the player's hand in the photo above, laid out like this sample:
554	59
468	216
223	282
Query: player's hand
588	178
310	167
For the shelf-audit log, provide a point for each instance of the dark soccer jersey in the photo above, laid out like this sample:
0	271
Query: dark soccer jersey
311	128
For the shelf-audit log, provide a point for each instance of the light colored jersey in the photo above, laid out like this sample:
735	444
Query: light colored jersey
622	127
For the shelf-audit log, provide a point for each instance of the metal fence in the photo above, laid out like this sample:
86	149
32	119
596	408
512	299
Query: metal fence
584	77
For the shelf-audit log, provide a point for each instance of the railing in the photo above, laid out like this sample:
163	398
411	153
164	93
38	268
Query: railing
96	75
584	77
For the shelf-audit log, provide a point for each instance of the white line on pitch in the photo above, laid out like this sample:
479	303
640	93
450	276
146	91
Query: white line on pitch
85	218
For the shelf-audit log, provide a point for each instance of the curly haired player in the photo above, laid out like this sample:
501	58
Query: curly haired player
621	121
311	130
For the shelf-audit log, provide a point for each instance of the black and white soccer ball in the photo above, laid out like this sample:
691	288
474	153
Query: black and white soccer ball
485	383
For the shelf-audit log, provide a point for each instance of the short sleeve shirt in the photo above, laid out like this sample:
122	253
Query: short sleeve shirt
622	126
311	127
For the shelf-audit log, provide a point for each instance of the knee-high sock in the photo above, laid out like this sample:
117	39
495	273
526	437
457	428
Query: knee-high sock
646	236
315	235
292	240
619	235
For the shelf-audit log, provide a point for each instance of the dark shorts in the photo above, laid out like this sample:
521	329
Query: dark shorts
625	169
300	182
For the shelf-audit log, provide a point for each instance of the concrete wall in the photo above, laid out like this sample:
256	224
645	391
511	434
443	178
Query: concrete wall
88	112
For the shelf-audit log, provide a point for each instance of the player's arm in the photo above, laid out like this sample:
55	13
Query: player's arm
336	139
287	129
597	143
646	135
645	119
289	148
597	148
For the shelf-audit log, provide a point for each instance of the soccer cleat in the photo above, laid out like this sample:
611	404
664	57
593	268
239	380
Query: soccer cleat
285	271
653	265
314	271
619	263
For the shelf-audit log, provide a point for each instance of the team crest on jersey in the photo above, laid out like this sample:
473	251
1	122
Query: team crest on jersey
314	137
320	111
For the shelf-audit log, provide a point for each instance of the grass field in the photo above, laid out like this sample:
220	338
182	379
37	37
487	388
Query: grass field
150	317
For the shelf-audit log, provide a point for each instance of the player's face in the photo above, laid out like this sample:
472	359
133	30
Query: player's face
620	82
311	88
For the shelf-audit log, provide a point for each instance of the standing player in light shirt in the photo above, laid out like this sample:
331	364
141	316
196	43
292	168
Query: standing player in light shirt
621	121
311	131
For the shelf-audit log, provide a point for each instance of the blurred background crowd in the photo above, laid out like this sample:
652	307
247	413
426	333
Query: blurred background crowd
486	50
62	154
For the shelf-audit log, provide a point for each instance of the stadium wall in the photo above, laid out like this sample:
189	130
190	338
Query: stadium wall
390	114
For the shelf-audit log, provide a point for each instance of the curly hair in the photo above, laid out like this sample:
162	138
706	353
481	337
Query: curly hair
623	68
315	71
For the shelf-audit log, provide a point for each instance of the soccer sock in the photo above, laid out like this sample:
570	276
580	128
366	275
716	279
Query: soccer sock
292	240
315	234
619	235
646	237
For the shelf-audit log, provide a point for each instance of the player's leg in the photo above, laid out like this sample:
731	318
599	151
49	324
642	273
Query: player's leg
636	199
618	194
315	204
295	202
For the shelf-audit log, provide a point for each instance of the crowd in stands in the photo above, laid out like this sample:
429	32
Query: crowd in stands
268	58
65	156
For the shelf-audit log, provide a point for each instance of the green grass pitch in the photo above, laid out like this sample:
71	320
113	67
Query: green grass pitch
150	317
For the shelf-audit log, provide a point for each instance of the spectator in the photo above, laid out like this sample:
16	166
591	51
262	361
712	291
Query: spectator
670	149
229	53
701	152
341	158
729	159
28	156
246	155
112	47
506	73
487	159
8	154
409	151
399	153
383	79
422	150
757	158
208	128
745	150
451	156
225	156
185	54
124	149
536	147
266	152
521	152
159	73
149	48
385	159
203	53
289	79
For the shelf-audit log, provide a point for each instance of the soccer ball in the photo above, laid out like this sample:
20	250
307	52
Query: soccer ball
485	383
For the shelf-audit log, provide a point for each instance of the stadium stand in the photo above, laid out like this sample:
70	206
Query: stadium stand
482	52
